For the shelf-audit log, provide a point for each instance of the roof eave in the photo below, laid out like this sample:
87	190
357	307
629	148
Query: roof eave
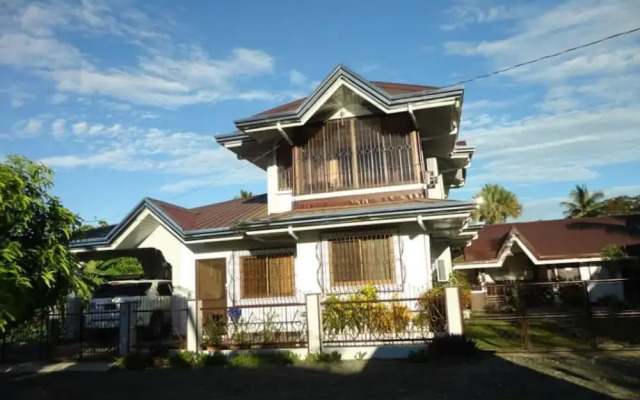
303	220
119	228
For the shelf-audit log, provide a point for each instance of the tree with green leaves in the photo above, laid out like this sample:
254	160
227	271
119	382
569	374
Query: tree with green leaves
37	269
496	204
583	203
104	269
621	205
120	266
244	194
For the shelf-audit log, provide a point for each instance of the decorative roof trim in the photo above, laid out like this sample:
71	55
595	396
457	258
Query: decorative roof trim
376	95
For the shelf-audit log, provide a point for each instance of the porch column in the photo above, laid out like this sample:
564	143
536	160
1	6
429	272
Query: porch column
454	310
314	323
194	324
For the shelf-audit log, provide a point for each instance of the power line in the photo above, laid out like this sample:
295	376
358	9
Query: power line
475	78
548	56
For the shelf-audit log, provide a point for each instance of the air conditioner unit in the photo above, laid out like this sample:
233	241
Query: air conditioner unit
432	172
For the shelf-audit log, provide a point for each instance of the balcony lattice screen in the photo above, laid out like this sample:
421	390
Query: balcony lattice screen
354	153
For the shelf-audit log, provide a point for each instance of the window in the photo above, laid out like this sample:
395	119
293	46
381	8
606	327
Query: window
353	153
441	271
266	276
164	289
361	259
110	290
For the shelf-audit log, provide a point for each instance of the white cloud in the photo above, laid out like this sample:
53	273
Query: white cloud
548	208
42	53
34	126
96	129
586	116
80	128
166	75
18	99
58	98
566	25
299	79
469	12
58	128
175	154
560	147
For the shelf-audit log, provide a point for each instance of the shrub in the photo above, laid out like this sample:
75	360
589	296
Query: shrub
446	347
323	358
432	311
135	361
214	360
245	360
350	314
255	359
400	316
186	359
459	278
212	330
360	356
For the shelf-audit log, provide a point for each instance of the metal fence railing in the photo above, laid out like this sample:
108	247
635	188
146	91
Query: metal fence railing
253	326
160	324
574	315
349	322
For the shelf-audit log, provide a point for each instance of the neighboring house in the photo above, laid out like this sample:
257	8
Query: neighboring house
554	250
358	177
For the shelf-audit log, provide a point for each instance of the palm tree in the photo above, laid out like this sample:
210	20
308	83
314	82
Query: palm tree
244	194
583	203
496	204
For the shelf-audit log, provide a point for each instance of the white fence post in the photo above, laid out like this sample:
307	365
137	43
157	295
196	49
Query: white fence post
127	329
314	323
454	311
194	324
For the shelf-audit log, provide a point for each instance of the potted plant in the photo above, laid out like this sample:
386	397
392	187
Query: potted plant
241	339
212	331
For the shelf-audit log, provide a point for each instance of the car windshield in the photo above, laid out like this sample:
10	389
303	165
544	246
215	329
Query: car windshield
109	290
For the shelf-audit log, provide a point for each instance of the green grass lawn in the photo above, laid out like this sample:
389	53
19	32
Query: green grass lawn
507	335
566	333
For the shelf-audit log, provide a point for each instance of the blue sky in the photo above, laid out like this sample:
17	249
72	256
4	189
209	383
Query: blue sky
123	98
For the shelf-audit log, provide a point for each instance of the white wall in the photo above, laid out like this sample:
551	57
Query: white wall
277	201
170	247
604	289
416	256
412	249
308	261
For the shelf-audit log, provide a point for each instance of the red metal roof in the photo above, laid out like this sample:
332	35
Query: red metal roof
217	215
559	239
389	87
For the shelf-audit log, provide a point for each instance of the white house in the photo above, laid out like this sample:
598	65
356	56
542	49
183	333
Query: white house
358	174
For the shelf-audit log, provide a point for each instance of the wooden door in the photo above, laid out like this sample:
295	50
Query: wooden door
211	279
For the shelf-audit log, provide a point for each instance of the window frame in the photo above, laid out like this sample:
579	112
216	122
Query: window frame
266	254
390	284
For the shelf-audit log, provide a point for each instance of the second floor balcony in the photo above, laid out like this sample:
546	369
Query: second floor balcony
350	154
